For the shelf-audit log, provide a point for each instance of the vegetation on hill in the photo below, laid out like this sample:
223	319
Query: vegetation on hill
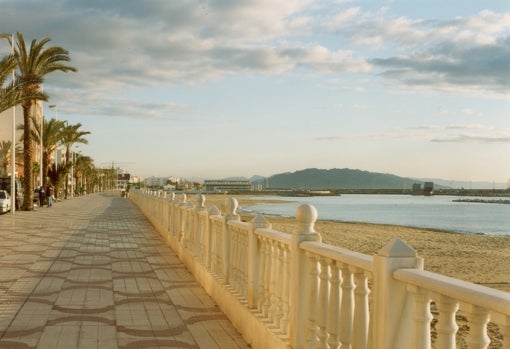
316	179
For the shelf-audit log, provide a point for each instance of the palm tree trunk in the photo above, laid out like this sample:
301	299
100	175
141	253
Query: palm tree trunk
45	164
28	189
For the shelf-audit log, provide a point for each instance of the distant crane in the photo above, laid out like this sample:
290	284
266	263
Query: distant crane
115	164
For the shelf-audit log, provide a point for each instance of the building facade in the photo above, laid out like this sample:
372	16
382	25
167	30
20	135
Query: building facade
227	185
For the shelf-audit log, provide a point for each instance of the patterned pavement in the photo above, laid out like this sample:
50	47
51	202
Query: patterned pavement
91	272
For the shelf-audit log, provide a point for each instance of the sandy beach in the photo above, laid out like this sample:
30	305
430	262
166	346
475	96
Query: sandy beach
481	259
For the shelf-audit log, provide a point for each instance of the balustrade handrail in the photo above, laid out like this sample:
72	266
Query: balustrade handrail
273	235
463	291
343	255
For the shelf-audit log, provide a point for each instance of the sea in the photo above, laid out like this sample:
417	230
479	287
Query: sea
432	212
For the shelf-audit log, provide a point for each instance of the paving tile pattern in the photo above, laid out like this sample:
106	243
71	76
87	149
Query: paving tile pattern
91	272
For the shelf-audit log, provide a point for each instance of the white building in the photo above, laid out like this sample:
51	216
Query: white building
156	181
6	127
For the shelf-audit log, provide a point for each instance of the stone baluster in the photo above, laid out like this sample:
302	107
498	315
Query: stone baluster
347	307
447	325
267	278
505	331
422	317
255	261
312	329
284	323
334	305
361	310
322	316
274	282
234	256
478	318
279	285
261	294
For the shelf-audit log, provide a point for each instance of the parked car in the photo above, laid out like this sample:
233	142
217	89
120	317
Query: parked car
5	201
5	184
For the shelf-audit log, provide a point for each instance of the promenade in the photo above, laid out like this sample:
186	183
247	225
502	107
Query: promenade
91	272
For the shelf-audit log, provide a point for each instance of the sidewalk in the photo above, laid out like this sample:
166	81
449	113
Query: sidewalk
91	272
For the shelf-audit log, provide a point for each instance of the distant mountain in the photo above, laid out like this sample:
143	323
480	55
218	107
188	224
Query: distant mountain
235	179
314	179
467	184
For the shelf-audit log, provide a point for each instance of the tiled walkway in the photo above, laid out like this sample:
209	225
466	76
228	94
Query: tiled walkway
91	272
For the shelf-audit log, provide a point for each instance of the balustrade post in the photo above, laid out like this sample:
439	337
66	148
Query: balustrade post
231	206
199	228
390	296
171	214
254	255
186	221
210	243
306	216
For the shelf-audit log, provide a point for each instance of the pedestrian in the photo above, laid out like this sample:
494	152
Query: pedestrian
49	193
42	195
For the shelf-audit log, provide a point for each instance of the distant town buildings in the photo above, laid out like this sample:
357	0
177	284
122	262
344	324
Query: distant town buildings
428	189
227	185
123	180
156	181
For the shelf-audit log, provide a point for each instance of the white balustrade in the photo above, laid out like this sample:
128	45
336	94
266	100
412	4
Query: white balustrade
298	292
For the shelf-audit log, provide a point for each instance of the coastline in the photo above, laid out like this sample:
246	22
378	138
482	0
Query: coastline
477	258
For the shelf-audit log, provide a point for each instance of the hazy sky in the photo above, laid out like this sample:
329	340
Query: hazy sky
213	89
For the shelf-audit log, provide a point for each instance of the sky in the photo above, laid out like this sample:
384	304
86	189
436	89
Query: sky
224	88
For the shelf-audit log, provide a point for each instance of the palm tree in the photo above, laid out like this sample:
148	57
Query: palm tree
5	151
70	136
12	94
52	136
83	169
56	175
33	65
5	156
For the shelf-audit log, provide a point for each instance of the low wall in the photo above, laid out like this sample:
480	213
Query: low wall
293	291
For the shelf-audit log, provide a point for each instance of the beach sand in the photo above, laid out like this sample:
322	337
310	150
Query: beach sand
480	259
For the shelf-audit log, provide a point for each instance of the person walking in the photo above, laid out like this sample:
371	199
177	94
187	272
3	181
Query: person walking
42	195
49	194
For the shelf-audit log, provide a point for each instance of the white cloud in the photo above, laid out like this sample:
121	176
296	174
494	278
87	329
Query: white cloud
469	127
160	43
474	138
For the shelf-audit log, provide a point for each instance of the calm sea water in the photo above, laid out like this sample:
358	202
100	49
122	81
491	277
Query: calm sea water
436	212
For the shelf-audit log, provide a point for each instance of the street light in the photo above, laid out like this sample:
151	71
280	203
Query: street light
54	106
41	144
10	37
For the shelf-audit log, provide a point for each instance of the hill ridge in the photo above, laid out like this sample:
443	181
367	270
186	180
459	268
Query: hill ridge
335	178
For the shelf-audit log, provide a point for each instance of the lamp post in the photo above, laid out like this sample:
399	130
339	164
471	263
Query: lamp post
10	37
41	145
72	174
54	106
